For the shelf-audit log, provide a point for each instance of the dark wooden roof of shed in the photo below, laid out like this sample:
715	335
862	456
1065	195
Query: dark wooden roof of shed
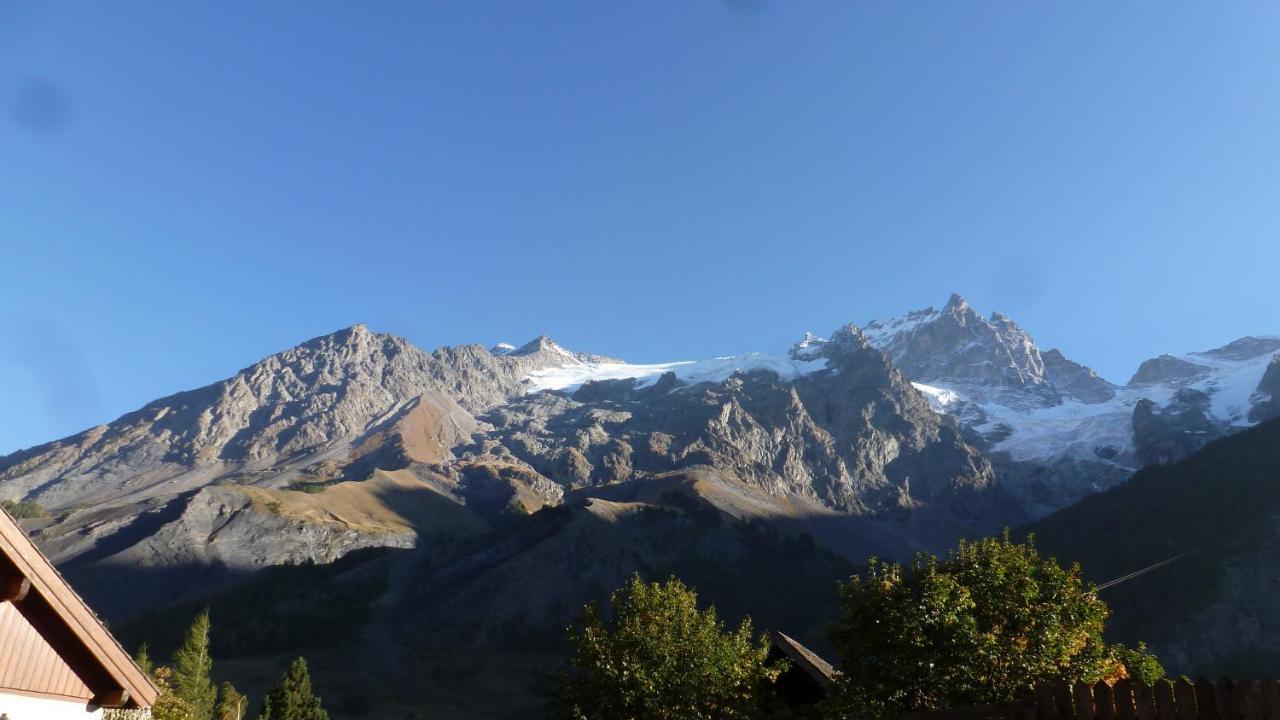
804	658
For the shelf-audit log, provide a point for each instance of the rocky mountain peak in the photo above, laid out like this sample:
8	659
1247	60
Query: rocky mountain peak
957	344
957	306
849	337
1245	348
1167	369
542	343
543	352
991	358
809	347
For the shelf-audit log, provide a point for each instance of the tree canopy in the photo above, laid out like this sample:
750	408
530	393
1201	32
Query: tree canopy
660	657
983	626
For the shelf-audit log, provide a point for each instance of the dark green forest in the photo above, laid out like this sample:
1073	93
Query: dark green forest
1217	505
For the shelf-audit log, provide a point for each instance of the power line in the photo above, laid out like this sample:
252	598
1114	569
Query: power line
1143	571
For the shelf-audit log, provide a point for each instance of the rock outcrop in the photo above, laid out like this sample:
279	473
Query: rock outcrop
1267	396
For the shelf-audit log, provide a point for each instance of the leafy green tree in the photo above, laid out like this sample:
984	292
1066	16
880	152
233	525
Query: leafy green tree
293	699
1139	663
169	704
660	657
983	626
192	666
231	704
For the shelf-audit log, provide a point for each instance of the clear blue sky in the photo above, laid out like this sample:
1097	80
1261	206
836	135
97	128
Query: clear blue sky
187	187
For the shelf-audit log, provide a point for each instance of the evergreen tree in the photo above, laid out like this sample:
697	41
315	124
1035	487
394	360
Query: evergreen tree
192	666
231	704
292	699
143	660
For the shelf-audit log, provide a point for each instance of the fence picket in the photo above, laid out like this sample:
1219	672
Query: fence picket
1249	700
1164	700
1144	701
1062	698
1130	699
1271	699
1084	701
1184	697
1104	707
1228	702
1207	700
1046	706
1122	695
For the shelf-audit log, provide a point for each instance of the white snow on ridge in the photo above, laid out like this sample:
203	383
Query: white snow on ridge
572	375
879	333
940	400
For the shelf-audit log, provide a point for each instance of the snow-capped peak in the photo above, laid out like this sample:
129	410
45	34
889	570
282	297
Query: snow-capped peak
809	347
957	345
502	349
542	343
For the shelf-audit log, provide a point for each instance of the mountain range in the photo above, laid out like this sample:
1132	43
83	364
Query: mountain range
512	484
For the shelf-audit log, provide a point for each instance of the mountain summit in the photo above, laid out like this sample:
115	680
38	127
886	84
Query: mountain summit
993	357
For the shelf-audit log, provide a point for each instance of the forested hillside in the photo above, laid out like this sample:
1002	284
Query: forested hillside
1212	610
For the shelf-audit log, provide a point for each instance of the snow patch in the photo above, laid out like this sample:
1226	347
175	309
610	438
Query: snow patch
880	333
941	400
572	375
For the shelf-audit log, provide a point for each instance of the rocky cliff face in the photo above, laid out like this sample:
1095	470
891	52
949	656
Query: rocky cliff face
853	436
1267	396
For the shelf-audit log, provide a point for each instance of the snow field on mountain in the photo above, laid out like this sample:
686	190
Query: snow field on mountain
574	374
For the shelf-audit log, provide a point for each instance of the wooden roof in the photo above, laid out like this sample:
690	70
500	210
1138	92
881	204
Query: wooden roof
59	634
29	664
804	658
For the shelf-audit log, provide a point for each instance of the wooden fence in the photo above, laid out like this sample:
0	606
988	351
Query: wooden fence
1133	700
